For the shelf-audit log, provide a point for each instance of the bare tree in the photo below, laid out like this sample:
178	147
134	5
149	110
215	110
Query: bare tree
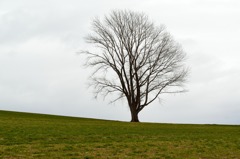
135	59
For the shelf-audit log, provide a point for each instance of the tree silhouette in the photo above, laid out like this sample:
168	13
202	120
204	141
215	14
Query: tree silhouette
135	59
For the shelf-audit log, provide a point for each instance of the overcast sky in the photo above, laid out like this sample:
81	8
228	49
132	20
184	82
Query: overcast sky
40	71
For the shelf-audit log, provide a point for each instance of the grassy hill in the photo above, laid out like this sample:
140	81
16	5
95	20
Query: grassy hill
25	135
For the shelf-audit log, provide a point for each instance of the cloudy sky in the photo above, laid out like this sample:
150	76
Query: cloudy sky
40	71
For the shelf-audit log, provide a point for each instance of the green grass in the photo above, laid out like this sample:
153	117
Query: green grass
25	135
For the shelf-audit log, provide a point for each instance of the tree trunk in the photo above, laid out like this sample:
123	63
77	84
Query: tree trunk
134	115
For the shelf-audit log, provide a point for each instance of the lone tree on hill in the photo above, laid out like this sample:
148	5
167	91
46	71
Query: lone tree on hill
134	59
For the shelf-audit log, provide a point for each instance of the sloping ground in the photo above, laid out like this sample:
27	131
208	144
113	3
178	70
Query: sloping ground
25	135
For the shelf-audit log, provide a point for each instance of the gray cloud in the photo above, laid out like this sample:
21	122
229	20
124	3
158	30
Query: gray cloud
41	72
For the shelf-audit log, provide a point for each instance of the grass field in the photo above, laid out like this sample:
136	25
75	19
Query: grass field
24	135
